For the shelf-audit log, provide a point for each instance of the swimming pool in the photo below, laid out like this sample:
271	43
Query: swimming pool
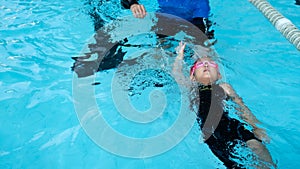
39	126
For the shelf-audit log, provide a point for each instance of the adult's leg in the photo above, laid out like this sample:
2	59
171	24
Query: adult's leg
204	25
111	59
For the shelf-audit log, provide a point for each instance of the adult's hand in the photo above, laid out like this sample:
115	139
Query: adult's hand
138	10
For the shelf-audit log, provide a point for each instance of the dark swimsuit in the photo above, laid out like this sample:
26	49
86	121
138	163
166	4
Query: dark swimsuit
228	131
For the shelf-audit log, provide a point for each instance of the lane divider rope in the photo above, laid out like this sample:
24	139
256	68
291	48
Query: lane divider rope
282	24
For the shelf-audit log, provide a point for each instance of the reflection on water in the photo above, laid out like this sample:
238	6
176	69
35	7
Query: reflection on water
38	123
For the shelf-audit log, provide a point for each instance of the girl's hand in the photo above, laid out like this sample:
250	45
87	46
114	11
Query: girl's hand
180	50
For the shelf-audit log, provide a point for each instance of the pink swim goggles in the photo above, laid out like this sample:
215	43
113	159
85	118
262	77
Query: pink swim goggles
199	64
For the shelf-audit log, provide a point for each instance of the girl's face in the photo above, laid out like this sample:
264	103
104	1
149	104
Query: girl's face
205	71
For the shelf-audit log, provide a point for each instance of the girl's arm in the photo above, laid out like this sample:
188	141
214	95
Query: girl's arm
245	114
178	64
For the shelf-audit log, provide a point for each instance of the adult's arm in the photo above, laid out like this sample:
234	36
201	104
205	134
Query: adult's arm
127	3
137	9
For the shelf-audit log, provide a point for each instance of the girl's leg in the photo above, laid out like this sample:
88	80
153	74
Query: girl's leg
263	154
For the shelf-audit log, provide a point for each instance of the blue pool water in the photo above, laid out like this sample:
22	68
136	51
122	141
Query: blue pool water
39	127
